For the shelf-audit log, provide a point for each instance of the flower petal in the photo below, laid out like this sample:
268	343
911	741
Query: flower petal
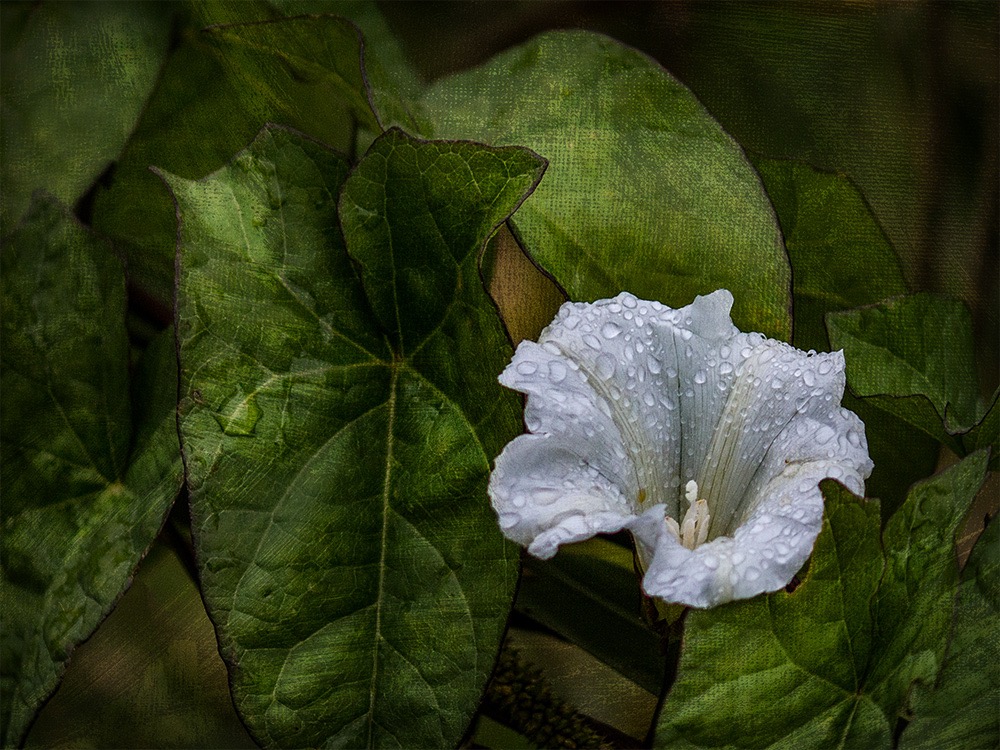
783	407
645	366
545	495
762	556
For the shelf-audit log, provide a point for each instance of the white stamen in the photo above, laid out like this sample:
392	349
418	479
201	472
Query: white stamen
693	530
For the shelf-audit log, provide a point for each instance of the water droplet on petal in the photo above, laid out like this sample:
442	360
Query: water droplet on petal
557	372
605	366
725	368
628	300
648	398
700	377
809	378
751	573
592	341
545	496
527	368
653	364
711	562
610	330
825	366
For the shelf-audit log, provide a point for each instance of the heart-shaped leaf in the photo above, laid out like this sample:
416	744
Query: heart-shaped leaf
645	191
338	451
86	482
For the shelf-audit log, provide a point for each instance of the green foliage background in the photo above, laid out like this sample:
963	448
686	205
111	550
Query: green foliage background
874	130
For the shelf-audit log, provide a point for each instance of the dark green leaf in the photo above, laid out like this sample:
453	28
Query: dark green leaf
913	357
840	256
962	710
74	79
337	455
830	664
589	594
913	607
82	499
645	191
217	90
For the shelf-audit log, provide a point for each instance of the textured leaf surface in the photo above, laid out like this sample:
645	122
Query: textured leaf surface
840	256
645	192
962	709
830	664
913	357
217	90
84	493
73	79
841	259
337	454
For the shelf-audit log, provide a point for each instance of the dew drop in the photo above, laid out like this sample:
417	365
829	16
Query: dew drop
628	300
605	366
527	368
725	368
653	364
545	496
557	372
648	398
686	334
610	330
700	377
809	378
825	366
711	562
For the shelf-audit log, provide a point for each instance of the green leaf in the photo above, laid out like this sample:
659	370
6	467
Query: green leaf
913	357
589	594
84	492
645	191
830	664
842	259
74	79
962	709
216	92
840	256
337	457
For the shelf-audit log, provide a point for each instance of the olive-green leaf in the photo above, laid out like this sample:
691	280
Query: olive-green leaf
962	709
73	79
842	259
84	493
645	191
831	663
914	357
840	256
339	414
217	90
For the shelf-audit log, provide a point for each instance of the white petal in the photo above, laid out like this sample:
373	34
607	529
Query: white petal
545	494
762	556
646	366
784	406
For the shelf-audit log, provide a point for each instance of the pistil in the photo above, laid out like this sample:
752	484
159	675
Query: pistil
693	530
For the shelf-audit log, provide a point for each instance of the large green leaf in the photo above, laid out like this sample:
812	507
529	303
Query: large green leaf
645	191
841	259
914	357
84	493
338	451
217	90
830	664
962	709
840	256
74	79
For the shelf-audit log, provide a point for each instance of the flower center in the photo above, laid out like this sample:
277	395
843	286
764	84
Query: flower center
693	530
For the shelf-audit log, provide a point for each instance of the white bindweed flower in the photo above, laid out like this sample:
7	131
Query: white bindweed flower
706	443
